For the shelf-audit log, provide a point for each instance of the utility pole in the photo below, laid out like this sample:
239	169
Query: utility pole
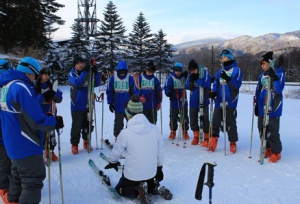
288	70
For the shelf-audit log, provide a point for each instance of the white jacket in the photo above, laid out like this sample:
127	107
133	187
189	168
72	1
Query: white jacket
143	146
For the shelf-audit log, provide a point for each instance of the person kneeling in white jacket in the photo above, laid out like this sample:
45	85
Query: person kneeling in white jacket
142	145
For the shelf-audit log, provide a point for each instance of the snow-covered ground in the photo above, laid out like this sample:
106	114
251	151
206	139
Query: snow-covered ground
238	179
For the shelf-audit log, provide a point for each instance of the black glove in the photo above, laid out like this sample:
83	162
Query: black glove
185	74
87	67
194	76
159	174
48	95
272	74
169	94
112	108
212	94
256	110
59	122
225	76
94	69
113	165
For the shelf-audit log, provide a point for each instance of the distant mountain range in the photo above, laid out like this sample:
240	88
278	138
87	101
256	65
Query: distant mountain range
245	44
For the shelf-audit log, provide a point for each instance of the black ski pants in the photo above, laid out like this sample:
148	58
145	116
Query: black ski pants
127	188
26	180
195	119
175	117
151	115
80	125
273	136
5	165
231	127
118	123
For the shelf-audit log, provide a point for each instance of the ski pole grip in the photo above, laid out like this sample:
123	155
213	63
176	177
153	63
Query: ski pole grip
210	174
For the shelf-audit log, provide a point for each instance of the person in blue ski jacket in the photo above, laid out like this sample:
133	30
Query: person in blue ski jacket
273	143
151	91
174	88
46	95
229	76
5	163
78	80
194	82
23	125
120	88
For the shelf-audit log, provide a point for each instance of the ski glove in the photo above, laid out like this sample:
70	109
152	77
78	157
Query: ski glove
94	69
225	76
185	74
159	174
169	94
212	94
112	108
272	74
194	76
113	165
48	95
59	122
87	67
256	110
142	99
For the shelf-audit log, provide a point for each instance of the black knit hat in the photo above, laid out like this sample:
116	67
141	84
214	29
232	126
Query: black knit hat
268	57
150	66
77	59
193	65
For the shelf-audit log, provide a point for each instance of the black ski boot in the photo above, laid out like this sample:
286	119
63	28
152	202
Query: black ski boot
142	188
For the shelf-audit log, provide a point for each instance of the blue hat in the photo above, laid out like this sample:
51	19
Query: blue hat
178	67
227	53
29	65
122	65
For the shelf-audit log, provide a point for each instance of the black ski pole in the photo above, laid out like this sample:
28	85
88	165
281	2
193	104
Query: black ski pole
210	178
209	183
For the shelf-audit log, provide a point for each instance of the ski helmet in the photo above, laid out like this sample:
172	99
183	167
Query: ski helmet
29	65
178	67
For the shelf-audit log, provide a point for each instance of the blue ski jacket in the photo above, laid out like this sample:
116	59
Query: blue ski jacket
150	87
175	87
46	106
205	83
119	91
79	88
261	92
22	119
231	88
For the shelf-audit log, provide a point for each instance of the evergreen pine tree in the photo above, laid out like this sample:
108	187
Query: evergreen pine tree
140	42
112	40
163	53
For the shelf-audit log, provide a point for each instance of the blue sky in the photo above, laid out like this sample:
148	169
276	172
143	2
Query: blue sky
186	20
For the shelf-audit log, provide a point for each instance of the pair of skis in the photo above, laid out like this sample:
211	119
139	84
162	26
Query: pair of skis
48	141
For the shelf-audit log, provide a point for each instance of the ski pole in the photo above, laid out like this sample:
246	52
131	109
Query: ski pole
96	129
209	182
179	129
210	179
183	117
102	124
60	165
152	103
251	134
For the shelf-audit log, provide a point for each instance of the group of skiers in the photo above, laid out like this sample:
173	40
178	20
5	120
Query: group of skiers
24	124
136	98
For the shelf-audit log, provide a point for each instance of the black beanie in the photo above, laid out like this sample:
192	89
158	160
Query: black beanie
150	66
193	65
268	57
77	59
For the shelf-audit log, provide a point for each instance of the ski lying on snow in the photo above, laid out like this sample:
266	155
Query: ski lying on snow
105	179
